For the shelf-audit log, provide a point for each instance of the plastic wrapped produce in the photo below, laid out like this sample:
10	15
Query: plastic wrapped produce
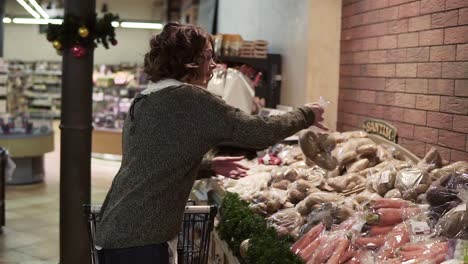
460	167
391	216
412	182
328	214
382	180
282	184
286	222
366	196
432	160
312	234
299	189
393	240
357	166
454	224
248	186
346	182
307	205
355	134
429	251
394	193
290	155
317	147
268	201
446	193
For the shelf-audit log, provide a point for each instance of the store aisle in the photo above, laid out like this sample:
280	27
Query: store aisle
31	234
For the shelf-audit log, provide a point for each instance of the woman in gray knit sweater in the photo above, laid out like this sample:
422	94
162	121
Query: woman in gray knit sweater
170	127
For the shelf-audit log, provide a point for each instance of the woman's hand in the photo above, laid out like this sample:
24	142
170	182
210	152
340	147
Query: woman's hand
318	112
229	167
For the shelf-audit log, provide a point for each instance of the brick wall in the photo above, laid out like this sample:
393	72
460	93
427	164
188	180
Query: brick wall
406	62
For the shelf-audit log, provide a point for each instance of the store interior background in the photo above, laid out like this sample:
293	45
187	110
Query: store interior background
403	61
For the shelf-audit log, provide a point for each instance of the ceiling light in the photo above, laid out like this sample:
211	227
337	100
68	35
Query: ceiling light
28	8
39	9
34	21
6	20
141	25
115	23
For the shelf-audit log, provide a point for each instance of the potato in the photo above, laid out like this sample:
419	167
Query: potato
273	206
355	134
302	208
334	173
283	184
394	193
303	186
357	166
347	157
367	149
295	196
288	205
291	174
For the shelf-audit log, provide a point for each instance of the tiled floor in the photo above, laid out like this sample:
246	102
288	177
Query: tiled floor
31	234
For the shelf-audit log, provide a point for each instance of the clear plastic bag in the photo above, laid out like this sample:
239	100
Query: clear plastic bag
459	166
412	182
454	223
427	251
286	222
299	189
290	155
382	180
317	147
328	214
447	193
432	160
313	201
346	182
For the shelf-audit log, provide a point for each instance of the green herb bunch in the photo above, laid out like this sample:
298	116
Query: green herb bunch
239	223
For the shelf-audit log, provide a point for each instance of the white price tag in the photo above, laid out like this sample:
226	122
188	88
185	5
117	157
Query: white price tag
385	177
420	227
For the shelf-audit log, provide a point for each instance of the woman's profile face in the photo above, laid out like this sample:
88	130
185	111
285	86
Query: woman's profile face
206	66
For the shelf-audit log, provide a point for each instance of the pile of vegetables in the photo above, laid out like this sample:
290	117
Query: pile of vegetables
348	196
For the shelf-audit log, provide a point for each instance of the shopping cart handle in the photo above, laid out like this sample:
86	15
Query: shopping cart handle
199	209
92	209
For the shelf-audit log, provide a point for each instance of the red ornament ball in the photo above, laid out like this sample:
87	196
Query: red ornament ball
78	51
114	42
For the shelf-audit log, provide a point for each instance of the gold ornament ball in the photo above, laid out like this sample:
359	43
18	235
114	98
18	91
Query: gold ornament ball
83	32
57	44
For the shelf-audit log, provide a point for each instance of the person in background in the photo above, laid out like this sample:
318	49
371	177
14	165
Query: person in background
170	127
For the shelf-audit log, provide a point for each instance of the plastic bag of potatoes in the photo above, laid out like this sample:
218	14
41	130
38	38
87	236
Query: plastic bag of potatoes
317	148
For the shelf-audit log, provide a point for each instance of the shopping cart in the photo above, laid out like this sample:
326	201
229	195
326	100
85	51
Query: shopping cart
194	237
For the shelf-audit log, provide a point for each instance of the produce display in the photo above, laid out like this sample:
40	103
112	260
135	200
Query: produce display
345	199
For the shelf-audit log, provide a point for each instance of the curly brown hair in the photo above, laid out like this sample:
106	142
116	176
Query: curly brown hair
171	50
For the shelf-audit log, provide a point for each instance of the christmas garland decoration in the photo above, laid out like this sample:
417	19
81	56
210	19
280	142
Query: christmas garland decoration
78	36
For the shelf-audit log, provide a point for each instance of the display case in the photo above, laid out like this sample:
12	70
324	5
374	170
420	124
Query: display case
35	87
27	138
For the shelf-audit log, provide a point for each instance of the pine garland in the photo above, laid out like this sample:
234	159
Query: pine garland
87	34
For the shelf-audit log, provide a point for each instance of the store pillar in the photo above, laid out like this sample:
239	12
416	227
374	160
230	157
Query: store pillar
2	14
75	152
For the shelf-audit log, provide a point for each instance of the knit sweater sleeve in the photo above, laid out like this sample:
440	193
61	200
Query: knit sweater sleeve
251	131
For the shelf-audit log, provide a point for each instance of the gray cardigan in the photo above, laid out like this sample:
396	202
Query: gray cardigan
164	140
